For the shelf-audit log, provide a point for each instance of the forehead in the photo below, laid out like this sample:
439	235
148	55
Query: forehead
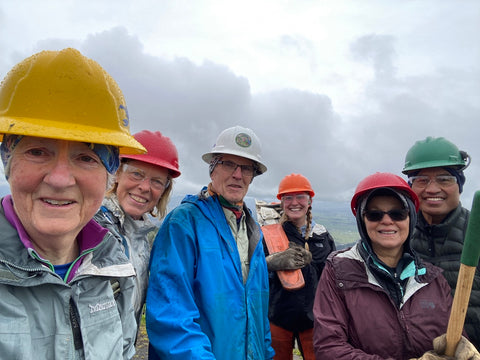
384	201
296	193
433	171
153	170
237	159
28	141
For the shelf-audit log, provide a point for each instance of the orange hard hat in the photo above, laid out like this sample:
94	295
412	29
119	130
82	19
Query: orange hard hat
160	151
294	183
382	180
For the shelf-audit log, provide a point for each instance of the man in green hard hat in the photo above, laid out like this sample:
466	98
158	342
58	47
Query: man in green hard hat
435	169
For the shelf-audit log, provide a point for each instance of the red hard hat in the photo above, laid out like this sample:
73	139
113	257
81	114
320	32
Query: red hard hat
294	183
380	180
160	151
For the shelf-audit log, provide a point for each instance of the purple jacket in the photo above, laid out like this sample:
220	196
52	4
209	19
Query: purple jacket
355	318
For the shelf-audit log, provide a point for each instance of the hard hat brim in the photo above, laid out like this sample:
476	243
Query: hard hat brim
69	131
154	161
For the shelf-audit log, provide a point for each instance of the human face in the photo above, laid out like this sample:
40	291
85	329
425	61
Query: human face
232	186
140	197
387	235
57	186
295	206
436	202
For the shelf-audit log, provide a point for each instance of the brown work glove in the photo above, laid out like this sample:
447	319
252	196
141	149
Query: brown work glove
295	257
464	351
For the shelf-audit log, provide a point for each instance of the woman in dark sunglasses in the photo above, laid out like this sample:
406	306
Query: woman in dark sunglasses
377	300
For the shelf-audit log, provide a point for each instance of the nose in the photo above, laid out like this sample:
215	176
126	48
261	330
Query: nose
386	219
60	173
144	184
432	186
237	173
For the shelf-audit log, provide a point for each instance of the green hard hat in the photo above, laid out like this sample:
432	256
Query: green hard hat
435	152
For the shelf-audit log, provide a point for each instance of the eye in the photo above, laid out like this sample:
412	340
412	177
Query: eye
157	182
87	159
36	152
229	164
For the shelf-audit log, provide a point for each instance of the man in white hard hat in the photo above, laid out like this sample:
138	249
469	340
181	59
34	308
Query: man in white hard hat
208	288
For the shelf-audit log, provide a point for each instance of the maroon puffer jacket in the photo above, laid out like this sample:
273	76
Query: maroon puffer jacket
354	318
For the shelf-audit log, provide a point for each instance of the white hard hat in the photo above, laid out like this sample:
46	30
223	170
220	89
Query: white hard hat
238	141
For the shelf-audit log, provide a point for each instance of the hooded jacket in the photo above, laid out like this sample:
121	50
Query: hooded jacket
136	237
363	311
442	245
198	306
44	317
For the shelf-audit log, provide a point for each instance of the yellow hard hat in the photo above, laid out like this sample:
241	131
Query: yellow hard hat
65	95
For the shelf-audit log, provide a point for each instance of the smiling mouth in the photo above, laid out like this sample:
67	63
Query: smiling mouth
434	199
138	199
58	202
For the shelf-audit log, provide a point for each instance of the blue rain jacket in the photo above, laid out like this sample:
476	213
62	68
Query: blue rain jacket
197	304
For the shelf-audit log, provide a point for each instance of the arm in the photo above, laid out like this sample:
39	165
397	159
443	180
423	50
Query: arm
331	318
127	317
171	310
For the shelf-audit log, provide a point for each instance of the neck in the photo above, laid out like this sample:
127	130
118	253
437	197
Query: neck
299	222
433	219
58	252
390	257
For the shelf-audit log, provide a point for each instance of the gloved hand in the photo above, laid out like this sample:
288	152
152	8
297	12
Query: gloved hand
464	351
295	257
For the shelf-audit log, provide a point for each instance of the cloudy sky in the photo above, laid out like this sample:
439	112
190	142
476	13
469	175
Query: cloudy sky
335	89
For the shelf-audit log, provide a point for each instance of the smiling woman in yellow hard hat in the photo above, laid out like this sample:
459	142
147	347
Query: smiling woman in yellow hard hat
143	184
64	123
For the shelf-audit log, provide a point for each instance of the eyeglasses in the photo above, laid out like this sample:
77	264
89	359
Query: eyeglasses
301	198
137	175
394	214
422	181
230	166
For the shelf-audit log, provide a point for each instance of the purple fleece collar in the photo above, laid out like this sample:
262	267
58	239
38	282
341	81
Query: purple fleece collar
89	237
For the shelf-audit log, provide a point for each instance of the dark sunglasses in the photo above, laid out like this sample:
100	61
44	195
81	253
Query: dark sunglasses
377	215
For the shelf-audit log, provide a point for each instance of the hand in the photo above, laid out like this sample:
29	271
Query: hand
293	258
464	351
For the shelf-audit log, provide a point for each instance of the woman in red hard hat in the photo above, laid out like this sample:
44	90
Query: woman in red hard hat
290	311
377	300
142	187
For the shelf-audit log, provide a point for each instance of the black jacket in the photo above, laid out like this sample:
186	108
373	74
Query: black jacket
442	245
292	310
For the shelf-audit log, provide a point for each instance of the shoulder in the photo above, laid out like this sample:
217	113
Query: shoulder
347	263
318	229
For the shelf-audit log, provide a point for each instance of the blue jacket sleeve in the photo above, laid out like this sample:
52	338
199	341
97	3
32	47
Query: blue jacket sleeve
170	308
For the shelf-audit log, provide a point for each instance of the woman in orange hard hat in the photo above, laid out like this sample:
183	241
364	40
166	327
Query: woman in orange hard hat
142	187
290	311
66	285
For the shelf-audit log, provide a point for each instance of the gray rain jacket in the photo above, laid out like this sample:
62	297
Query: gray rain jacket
136	237
44	317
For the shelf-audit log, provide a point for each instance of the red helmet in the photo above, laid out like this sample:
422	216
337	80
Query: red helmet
160	151
294	183
380	180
